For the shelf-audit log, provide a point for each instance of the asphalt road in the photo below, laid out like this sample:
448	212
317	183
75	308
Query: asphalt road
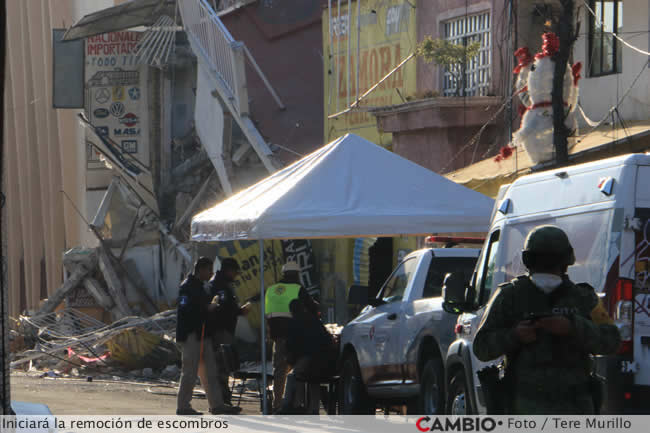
68	396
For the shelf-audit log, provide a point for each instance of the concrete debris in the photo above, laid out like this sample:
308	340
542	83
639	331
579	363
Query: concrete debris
79	271
147	372
190	165
97	291
114	284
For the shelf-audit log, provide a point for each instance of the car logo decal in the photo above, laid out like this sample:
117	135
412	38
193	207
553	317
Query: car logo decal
100	113
134	93
117	109
129	120
102	95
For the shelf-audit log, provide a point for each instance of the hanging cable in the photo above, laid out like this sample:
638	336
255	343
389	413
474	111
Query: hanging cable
478	134
618	104
600	24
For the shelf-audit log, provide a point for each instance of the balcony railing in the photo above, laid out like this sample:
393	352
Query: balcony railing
213	41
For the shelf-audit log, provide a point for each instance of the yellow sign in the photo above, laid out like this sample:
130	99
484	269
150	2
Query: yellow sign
247	254
387	36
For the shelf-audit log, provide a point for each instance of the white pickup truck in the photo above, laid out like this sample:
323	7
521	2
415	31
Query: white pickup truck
393	351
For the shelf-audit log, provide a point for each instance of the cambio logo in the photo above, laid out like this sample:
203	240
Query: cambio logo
462	424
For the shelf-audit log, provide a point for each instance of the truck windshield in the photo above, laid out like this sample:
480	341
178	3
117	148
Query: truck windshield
441	266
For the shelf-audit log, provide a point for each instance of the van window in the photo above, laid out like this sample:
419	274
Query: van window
595	246
485	273
441	266
396	285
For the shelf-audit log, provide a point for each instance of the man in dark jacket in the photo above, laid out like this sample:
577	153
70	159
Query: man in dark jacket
225	317
312	352
195	335
277	300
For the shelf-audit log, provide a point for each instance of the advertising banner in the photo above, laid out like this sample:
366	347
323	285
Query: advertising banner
116	96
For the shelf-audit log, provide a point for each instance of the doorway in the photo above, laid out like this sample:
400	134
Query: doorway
381	264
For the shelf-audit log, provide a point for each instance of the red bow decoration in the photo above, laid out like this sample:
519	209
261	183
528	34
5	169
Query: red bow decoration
575	70
550	45
504	153
524	57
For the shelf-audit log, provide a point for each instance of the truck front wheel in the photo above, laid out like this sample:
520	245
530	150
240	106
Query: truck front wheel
457	397
354	399
432	400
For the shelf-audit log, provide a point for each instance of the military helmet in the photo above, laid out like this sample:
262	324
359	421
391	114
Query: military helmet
548	241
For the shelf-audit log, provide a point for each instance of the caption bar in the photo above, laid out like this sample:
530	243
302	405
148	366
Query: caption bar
315	424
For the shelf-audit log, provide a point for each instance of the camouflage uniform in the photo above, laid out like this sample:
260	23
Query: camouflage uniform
551	374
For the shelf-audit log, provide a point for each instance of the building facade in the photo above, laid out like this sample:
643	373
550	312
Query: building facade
44	172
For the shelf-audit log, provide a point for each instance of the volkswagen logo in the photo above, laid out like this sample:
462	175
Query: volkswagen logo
117	109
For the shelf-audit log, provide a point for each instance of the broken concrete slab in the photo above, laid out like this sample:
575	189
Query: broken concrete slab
97	291
80	270
115	288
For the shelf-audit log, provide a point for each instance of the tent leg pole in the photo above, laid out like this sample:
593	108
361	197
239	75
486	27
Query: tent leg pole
263	327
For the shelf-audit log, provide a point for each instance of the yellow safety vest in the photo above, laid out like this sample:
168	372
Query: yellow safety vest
278	297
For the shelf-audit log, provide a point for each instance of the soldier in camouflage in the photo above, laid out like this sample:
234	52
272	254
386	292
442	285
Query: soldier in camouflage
546	326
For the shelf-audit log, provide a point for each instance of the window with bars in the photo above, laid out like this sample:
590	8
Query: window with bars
472	77
604	50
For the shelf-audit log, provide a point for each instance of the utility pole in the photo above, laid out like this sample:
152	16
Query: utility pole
564	31
5	388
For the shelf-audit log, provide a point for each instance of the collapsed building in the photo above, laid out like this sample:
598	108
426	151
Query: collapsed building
169	132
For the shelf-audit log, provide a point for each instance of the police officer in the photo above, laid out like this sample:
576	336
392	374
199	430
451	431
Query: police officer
546	326
225	317
277	300
194	332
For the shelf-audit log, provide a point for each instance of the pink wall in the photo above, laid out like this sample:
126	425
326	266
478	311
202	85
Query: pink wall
435	133
431	13
289	54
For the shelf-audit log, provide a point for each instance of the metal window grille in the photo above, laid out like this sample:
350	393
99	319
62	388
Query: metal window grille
476	71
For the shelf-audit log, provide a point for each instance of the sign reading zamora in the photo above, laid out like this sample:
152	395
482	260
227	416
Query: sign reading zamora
387	36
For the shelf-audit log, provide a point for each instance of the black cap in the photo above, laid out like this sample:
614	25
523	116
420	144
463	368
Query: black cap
203	262
229	264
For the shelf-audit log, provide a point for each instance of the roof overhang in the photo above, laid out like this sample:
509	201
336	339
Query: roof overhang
488	175
125	16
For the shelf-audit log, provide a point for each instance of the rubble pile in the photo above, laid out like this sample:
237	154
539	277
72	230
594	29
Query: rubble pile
68	342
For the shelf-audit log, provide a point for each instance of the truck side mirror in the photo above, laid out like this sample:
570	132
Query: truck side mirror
454	293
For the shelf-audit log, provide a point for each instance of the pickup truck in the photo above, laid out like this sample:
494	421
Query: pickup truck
393	351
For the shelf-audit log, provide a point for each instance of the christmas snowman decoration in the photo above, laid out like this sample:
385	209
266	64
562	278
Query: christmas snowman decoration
536	131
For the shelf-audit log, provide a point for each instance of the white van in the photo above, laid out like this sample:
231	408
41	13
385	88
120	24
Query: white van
604	207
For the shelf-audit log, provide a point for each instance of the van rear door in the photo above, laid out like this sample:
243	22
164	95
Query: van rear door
641	328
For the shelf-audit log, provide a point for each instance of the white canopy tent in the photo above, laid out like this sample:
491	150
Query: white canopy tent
348	188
